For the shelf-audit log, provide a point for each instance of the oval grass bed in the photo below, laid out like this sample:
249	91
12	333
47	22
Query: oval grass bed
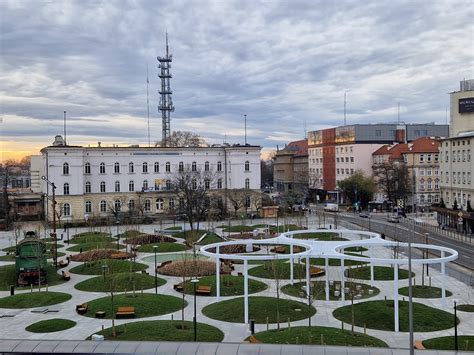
329	336
334	262
318	290
50	325
230	285
88	237
11	257
146	305
419	291
119	282
163	330
465	307
114	266
259	309
162	247
279	269
35	299
465	342
8	277
380	315
381	273
324	236
94	245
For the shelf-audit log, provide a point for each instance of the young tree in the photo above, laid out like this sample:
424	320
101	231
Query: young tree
237	199
358	187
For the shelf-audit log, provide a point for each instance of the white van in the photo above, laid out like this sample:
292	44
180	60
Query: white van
332	207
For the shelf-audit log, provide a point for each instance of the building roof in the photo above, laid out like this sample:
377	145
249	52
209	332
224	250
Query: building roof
297	148
419	145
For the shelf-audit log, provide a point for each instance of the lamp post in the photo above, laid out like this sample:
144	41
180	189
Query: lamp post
53	186
156	279
118	236
104	269
455	326
194	281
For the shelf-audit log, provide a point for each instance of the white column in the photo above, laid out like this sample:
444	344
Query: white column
246	291
343	282
291	264
326	265
218	274
443	277
395	296
307	275
371	269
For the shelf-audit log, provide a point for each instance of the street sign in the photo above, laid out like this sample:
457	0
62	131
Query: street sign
460	214
460	220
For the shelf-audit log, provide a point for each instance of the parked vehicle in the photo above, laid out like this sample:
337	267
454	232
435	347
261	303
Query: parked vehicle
364	214
394	219
331	207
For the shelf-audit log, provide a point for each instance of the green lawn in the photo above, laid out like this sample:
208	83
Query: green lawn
356	249
188	235
324	236
211	238
114	266
8	277
424	292
465	342
130	234
86	246
164	330
329	336
162	247
318	290
333	262
50	325
35	299
119	282
285	228
146	304
465	307
259	309
241	227
280	268
88	237
380	315
176	228
383	273
230	285
11	257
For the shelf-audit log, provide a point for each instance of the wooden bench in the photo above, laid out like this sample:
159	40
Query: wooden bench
82	308
66	275
62	263
178	287
100	314
316	271
253	340
164	263
125	312
279	250
419	345
120	255
203	290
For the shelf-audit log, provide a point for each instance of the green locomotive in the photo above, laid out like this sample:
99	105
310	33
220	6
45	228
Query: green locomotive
31	260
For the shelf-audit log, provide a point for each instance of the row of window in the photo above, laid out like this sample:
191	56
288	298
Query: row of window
427	158
428	184
428	198
156	167
459	178
348	171
461	199
428	171
347	160
458	155
464	142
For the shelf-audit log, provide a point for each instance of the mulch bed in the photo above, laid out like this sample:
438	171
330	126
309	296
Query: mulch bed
149	239
98	254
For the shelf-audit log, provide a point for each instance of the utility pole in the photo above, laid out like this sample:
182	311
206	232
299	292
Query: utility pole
148	105
65	141
345	121
245	124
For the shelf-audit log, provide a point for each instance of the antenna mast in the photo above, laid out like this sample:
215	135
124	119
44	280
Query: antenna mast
166	103
245	123
65	128
345	121
148	104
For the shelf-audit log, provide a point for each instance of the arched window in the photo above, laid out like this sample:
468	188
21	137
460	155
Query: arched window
117	205
159	204
66	210
194	166
247	165
117	186
168	167
102	168
219	183
131	205
157	167
103	206
171	203
88	208
194	184
145	184
65	169
206	166
102	186
66	188
147	205
247	183
181	166
145	167
168	185
207	184
219	166
116	168
131	168
88	187
87	168
429	184
131	186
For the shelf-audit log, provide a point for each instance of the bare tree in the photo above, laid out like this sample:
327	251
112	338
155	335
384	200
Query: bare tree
183	139
8	170
393	180
237	199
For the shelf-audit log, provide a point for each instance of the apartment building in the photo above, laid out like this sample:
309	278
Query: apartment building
290	167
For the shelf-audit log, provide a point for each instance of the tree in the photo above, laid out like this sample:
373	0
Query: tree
468	207
266	170
237	199
455	205
358	187
393	180
8	170
182	139
442	204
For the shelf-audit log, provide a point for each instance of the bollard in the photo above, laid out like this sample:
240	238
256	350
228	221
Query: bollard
267	323
172	318
429	278
12	290
342	325
252	326
289	323
102	329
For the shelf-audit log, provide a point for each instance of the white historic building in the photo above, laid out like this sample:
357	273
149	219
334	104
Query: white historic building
93	181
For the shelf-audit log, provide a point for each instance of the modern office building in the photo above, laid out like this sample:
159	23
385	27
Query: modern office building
93	181
290	167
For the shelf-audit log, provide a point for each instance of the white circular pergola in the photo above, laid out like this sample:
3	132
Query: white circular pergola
327	250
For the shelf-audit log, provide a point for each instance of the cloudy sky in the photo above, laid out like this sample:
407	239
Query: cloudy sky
284	64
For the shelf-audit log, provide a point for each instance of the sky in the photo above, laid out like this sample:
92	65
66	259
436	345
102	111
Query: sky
285	64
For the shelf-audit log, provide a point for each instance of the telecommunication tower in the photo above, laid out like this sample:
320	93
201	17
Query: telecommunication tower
166	103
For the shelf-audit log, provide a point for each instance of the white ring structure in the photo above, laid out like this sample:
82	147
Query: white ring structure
327	250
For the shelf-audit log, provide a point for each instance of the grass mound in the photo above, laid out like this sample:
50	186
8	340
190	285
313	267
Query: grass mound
50	325
8	277
382	273
230	285
99	254
146	304
162	247
149	239
323	236
119	283
88	237
260	308
465	307
333	262
211	238
419	291
318	290
35	299
190	236
94	245
380	315
164	330
280	269
113	265
189	268
329	336
465	342
11	257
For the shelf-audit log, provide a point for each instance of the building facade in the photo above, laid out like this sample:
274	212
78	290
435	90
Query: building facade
95	181
290	167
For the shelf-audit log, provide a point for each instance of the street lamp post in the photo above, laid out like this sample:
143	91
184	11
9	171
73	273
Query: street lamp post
118	236
195	281
156	279
104	269
455	326
53	186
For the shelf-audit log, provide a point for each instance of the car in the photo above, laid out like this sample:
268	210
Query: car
364	214
331	207
394	219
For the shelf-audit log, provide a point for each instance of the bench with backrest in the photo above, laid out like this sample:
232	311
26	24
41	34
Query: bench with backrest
66	275
62	263
178	287
81	308
316	271
125	312
203	290
419	345
279	250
